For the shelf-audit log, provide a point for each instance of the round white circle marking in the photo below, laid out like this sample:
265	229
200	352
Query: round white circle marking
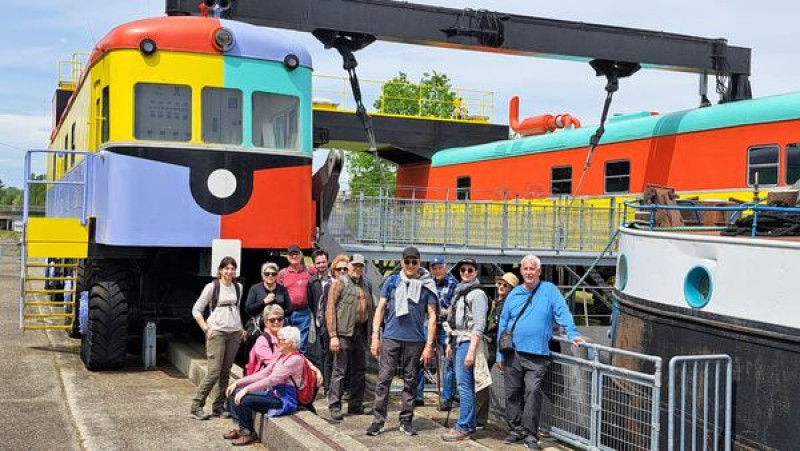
222	183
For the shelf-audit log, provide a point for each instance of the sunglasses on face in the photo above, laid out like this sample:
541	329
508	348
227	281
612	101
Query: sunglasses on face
411	261
467	269
275	320
503	285
342	269
270	273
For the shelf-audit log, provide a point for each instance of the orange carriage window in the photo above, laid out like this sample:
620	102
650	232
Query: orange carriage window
618	176
463	186
561	180
792	163
762	165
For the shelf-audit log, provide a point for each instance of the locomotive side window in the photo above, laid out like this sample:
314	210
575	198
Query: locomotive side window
105	131
463	185
561	180
792	163
618	176
762	160
163	112
275	121
222	116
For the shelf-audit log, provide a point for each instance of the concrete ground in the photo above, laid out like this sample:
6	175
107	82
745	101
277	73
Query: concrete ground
51	402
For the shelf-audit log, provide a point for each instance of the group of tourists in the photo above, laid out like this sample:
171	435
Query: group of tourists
420	314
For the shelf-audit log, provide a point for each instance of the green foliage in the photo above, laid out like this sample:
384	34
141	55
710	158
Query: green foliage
12	196
433	96
365	176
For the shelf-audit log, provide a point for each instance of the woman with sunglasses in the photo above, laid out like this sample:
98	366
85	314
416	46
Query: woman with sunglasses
467	321
264	350
267	292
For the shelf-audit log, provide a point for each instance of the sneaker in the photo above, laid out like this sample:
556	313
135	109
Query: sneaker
480	427
454	435
445	406
375	429
221	413
419	402
407	428
200	415
531	442
336	413
514	437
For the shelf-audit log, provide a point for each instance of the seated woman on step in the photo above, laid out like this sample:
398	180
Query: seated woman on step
271	390
265	349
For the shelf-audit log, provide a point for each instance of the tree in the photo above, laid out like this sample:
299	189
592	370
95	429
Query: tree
365	176
433	96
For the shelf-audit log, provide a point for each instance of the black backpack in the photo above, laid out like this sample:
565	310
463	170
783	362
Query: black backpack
215	295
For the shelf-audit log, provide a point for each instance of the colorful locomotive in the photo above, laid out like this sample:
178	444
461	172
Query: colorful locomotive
200	129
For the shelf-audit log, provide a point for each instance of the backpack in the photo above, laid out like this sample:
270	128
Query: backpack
215	294
308	393
451	319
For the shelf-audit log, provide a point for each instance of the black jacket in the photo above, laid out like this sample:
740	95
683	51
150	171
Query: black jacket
255	299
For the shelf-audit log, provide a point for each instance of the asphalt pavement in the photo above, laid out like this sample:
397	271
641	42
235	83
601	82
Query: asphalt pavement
51	402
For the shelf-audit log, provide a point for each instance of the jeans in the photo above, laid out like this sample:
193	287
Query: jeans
243	413
466	389
301	319
446	366
221	351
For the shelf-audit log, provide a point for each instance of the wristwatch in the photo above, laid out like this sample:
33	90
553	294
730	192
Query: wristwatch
429	344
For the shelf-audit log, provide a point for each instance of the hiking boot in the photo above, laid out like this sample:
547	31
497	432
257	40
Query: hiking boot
361	411
221	413
375	429
200	414
454	435
244	440
531	442
419	403
514	437
445	406
407	428
233	434
336	413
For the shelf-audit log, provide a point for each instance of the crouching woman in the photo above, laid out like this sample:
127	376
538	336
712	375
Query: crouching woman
271	390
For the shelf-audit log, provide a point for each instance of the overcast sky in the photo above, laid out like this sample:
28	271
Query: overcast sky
38	33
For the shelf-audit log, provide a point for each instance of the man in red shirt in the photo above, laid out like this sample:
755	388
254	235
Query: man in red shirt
295	279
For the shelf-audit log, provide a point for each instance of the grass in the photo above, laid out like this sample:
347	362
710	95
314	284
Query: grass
9	235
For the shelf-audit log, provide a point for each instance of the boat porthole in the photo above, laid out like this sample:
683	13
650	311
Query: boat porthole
622	272
697	287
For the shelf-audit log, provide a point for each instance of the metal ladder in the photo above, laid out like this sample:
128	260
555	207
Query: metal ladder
50	249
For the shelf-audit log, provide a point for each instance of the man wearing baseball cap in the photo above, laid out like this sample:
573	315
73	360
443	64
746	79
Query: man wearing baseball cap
445	287
295	278
408	300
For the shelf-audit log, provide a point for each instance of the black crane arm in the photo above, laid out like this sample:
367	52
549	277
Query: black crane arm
481	30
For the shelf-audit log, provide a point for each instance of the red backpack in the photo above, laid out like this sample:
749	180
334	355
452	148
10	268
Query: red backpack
307	391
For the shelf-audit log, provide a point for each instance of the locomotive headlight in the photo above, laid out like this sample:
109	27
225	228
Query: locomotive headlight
291	61
223	39
148	46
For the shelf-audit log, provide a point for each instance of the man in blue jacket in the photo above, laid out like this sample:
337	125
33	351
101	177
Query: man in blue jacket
527	365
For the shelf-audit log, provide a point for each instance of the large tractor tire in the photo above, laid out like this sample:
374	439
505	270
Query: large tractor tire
104	343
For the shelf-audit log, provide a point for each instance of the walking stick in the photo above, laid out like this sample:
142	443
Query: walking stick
453	392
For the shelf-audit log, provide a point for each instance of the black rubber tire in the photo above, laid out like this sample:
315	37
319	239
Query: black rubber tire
104	344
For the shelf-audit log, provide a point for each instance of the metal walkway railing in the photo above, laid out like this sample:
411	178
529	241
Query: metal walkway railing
610	399
481	227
